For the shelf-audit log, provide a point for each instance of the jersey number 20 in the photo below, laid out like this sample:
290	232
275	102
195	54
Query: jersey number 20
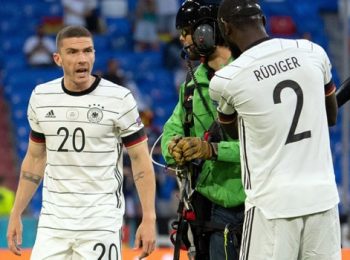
74	137
292	136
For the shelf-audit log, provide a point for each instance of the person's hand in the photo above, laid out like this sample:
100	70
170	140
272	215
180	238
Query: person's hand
195	148
175	151
14	234
145	237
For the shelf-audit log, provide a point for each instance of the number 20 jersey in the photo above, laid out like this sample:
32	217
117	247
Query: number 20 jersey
278	89
84	133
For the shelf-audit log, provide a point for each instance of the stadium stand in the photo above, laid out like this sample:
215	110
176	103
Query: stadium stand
7	154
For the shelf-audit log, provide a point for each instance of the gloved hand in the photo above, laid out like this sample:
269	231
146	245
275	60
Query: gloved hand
194	148
175	151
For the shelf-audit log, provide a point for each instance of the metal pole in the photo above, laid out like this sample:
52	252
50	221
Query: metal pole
345	117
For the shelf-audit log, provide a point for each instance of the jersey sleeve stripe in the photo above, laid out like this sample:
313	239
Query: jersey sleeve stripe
242	136
236	66
37	137
329	88
127	112
222	77
134	138
127	94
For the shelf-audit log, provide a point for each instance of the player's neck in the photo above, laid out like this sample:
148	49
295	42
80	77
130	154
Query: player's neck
247	40
75	86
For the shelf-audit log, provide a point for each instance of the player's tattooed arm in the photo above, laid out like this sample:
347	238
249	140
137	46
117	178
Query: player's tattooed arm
31	177
139	176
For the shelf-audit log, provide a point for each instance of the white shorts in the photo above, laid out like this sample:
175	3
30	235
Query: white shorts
309	237
104	247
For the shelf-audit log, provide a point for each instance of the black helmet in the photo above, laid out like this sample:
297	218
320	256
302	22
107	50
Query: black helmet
192	11
197	14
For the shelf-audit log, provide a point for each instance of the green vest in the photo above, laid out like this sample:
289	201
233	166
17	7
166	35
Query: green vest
219	180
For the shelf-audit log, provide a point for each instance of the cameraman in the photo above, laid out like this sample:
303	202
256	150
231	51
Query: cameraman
189	136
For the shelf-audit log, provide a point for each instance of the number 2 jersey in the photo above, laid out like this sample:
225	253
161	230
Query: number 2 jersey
84	133
278	89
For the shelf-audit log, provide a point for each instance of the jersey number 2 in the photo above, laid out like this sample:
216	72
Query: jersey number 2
292	136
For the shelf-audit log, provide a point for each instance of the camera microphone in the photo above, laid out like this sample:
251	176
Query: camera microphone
184	52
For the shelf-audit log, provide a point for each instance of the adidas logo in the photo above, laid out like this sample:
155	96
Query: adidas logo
50	114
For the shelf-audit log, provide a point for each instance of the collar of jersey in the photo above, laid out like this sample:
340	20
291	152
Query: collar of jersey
84	92
257	42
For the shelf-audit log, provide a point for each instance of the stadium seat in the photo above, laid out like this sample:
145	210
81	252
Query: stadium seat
8	10
138	62
163	79
13	62
101	44
13	44
119	33
114	8
276	7
33	9
121	42
282	25
33	76
133	3
118	26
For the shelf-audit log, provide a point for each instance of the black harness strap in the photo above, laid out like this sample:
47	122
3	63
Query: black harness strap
188	105
179	232
192	167
187	124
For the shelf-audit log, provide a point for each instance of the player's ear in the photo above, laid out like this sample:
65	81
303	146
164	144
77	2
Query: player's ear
57	59
222	25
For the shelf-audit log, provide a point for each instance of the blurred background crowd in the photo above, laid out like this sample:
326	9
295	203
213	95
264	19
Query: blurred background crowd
136	46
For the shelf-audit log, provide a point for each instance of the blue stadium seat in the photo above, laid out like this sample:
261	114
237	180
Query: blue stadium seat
19	102
13	44
163	111
138	62
101	60
32	9
326	5
118	26
121	42
159	83
31	77
21	136
9	9
101	43
18	87
119	33
13	62
132	5
276	8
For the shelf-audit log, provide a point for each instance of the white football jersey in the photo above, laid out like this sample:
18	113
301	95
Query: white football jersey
84	134
277	87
